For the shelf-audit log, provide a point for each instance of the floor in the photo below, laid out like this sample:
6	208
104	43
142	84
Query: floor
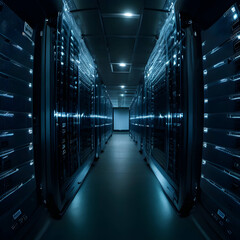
121	199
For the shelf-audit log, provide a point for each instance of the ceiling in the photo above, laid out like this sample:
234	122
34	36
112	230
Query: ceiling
114	38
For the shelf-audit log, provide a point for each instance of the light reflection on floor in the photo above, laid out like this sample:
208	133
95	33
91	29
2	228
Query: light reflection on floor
121	199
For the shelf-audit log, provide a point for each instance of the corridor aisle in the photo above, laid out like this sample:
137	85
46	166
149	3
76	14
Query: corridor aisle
121	199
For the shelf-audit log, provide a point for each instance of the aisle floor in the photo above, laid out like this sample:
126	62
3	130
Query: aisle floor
121	199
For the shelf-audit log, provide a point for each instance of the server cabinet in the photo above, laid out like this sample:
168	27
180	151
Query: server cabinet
103	117
108	123
107	111
148	117
172	110
87	109
140	118
105	121
136	118
97	118
132	112
109	114
102	111
18	200
220	179
67	111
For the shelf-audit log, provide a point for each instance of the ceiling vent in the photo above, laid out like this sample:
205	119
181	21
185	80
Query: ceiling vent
119	68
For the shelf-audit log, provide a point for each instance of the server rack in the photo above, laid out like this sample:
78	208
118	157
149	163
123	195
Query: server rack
106	111
109	118
102	121
87	110
97	118
68	110
133	117
68	115
172	110
136	118
77	112
103	117
17	171
140	120
220	179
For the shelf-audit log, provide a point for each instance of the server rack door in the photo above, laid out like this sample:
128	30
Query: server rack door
103	113
87	124
191	114
141	118
97	119
100	116
68	103
18	199
140	106
109	118
133	116
172	93
220	179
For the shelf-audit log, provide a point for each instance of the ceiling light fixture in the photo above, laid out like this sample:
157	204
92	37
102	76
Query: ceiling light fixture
128	14
122	95
122	86
122	64
121	67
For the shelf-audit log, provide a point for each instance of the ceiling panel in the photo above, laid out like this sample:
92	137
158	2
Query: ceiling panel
120	78
121	26
121	49
119	6
152	22
96	46
156	4
143	51
83	4
121	42
121	97
89	22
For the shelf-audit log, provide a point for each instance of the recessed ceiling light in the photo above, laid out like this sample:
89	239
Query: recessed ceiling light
122	64
122	86
122	95
121	67
127	14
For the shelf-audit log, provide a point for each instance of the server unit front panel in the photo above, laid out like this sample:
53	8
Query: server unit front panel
220	179
18	199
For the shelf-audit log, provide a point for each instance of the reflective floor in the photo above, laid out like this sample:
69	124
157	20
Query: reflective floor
121	199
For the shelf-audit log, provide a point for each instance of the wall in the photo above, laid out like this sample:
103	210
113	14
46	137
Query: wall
121	119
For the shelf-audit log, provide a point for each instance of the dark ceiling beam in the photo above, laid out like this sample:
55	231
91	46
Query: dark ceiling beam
83	10
156	10
119	36
137	36
104	31
118	15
